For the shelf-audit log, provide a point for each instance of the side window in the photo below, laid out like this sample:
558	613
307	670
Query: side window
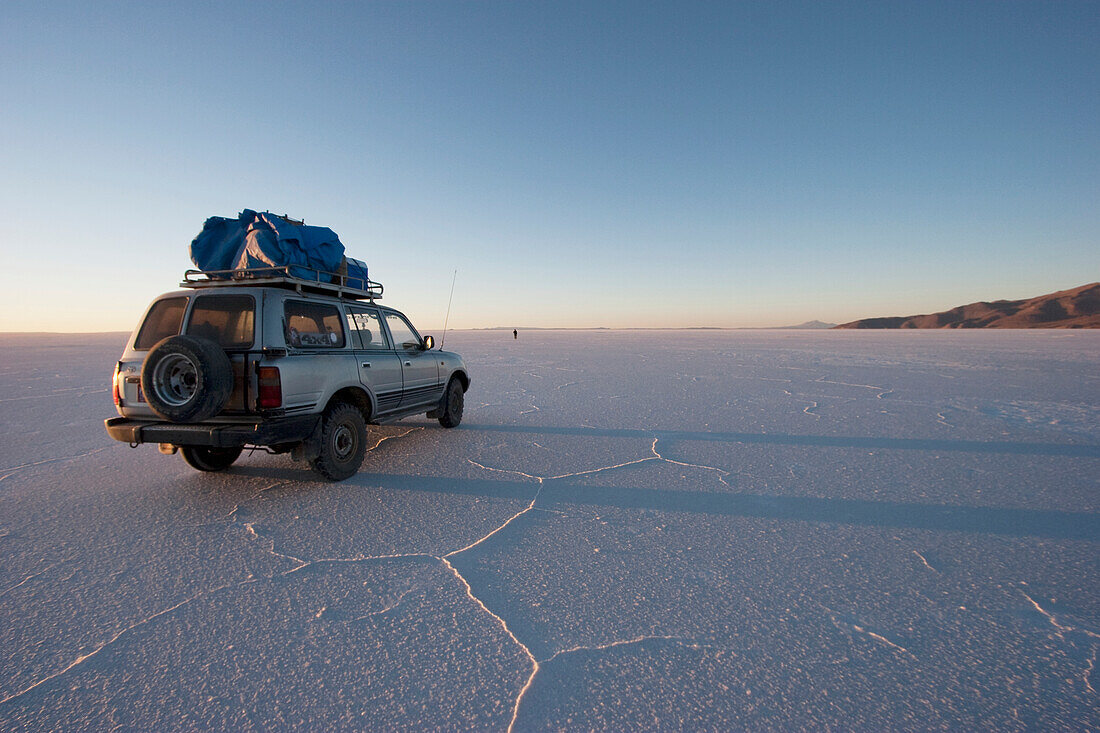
313	325
369	326
164	320
224	319
403	333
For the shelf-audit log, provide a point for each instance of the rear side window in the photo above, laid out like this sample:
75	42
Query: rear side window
226	320
164	320
313	325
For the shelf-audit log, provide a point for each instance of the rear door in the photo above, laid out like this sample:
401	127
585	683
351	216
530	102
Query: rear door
227	319
317	353
419	367
378	364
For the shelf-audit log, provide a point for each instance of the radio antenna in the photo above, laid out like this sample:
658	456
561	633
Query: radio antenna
448	318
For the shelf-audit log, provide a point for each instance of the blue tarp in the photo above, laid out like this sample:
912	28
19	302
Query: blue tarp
357	274
267	240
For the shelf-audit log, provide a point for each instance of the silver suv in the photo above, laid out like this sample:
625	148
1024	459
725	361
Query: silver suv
293	363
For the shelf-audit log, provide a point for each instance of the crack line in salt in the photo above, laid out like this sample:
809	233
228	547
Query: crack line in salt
444	559
510	519
811	404
721	472
84	657
881	638
691	644
508	631
12	470
32	576
387	609
251	529
531	506
602	468
1089	669
57	393
1061	628
231	515
858	628
924	561
384	438
823	380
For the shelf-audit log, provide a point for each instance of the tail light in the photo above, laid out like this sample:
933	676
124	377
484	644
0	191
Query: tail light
270	393
114	388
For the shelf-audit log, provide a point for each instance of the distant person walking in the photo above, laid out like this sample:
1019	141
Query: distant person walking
515	334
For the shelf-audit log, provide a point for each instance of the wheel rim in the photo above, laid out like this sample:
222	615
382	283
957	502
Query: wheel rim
344	442
176	378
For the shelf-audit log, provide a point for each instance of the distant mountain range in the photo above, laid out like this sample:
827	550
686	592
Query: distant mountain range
1077	308
809	325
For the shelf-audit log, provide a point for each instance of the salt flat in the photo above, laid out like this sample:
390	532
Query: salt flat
630	530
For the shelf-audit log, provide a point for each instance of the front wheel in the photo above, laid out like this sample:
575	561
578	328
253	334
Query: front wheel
343	442
451	413
209	459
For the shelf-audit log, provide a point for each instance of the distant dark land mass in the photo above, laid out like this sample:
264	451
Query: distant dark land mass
1076	308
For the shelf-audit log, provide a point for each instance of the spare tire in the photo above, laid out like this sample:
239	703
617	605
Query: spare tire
186	379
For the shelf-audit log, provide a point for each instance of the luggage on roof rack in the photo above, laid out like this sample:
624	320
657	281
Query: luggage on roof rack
265	240
276	250
352	282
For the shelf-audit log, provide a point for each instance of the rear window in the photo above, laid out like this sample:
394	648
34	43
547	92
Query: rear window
313	326
164	320
224	319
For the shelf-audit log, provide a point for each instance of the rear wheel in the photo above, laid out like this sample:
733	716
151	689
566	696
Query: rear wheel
209	459
343	442
450	413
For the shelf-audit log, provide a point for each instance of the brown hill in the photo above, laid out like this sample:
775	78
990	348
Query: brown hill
1077	308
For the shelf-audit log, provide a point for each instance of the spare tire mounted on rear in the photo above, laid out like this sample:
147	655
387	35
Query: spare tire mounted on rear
187	379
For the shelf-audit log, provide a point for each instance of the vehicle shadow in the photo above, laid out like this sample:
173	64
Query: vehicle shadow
1078	450
937	517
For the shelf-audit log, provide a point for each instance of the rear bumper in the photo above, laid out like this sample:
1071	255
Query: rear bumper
214	435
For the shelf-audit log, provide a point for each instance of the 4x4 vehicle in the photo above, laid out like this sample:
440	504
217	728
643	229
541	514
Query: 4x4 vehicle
292	361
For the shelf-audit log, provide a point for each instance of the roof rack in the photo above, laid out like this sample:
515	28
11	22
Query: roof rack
295	277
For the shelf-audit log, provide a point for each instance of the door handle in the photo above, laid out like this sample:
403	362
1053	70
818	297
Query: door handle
366	365
408	363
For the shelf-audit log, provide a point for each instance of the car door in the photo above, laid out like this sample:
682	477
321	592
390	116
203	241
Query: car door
419	367
317	352
379	365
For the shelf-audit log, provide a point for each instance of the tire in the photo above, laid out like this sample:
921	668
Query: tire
450	410
343	442
209	459
186	379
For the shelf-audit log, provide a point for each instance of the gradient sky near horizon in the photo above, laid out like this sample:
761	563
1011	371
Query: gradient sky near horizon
619	164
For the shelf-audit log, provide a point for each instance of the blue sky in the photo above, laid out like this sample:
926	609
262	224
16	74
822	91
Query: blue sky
580	164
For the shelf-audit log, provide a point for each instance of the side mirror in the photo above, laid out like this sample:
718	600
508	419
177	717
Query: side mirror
429	342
